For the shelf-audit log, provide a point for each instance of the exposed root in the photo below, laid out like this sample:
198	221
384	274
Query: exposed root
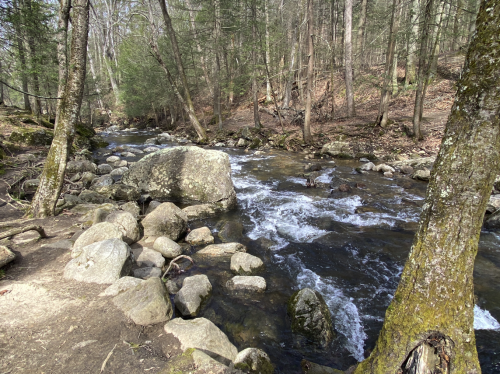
176	266
20	230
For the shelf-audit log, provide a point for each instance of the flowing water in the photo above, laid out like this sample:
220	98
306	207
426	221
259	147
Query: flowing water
351	247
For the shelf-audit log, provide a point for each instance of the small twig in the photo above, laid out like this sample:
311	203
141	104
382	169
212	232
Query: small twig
107	358
68	181
172	263
20	230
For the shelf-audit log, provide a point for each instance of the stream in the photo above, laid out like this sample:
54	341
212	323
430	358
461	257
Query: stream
351	247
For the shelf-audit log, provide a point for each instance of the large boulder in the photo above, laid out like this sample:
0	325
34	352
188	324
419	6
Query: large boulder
194	361
127	224
200	236
102	262
310	316
254	361
166	220
121	285
119	191
245	264
80	167
202	334
193	295
185	174
199	211
246	283
167	247
98	232
226	249
6	255
337	149
145	304
146	257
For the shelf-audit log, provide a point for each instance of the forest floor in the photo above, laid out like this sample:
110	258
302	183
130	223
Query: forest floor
53	325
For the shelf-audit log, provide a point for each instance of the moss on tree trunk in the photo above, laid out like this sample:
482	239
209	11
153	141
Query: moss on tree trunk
435	296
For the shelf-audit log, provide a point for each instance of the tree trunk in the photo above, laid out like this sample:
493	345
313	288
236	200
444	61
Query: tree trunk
412	43
62	47
52	178
361	30
180	68
1	85
456	23
268	53
33	58
255	89
291	67
310	71
383	112
349	90
217	93
434	302
22	59
436	41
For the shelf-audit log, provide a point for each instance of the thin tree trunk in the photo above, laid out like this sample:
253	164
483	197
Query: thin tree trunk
180	68
217	93
434	302
291	67
361	30
52	178
310	71
268	54
348	58
33	59
94	77
1	85
456	23
255	90
410	74
383	112
438	21
62	48
22	60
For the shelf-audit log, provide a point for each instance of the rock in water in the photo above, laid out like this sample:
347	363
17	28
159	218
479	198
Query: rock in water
245	264
200	236
226	249
193	295
102	262
246	283
254	360
185	174
166	220
146	303
310	316
202	334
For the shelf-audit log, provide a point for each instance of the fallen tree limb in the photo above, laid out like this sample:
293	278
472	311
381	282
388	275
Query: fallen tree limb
173	264
16	222
20	230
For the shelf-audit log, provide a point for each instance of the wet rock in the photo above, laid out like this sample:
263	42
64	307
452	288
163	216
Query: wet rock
146	257
199	211
127	154
406	169
112	159
345	188
127	224
311	368
200	236
247	283
80	167
246	264
423	175
312	167
230	231
6	255
120	164
147	272
120	191
167	247
364	159
102	262
383	168
96	233
226	249
202	334
89	196
172	287
337	149
186	174
119	171
193	295
265	243
146	303
388	174
367	167
121	285
153	141
310	316
132	207
104	169
254	360
166	220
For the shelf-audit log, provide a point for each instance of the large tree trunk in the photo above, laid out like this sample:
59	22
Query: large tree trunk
349	90
180	68
434	302
383	112
31	29
412	43
361	31
52	178
310	71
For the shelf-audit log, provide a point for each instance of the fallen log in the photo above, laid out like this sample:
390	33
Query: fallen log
20	230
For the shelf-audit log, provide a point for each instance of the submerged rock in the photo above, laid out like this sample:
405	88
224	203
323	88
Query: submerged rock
247	283
185	174
230	231
310	316
193	295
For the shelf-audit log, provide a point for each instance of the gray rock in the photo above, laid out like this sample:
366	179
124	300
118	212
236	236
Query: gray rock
105	180
127	154
80	167
312	368
31	185
6	255
254	360
200	236
132	207
337	149
89	196
112	159
93	213
493	221
418	163
96	233
194	361
246	283
120	171
104	169
388	174
199	211
406	169
186	174
242	143
423	175
384	168
310	316
368	166
146	303
364	159
147	272
120	164
193	295
151	149
87	179
202	334
127	224
230	231
121	285
245	264
135	151
102	262
226	249
152	206
167	247
166	220
172	287
151	141
120	192
146	257
312	167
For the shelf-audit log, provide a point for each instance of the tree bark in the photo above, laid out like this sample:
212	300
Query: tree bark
180	68
52	178
435	295
217	93
62	47
33	58
412	43
255	89
310	71
291	67
22	59
349	90
361	31
268	53
456	23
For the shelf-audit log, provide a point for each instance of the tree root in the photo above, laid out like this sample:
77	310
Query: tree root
20	230
174	265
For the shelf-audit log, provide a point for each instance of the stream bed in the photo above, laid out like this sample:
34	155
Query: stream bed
351	247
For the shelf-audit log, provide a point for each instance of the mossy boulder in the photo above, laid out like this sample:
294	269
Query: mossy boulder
310	316
254	360
34	137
